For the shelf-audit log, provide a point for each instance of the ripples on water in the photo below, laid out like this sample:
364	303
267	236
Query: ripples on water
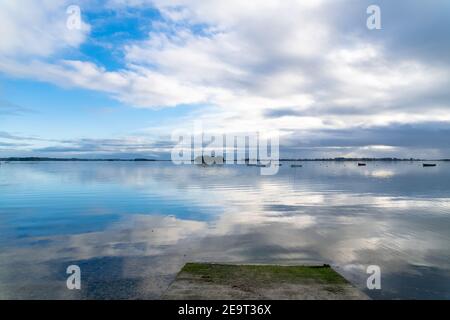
131	226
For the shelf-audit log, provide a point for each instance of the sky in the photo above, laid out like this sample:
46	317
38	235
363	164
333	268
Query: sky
134	71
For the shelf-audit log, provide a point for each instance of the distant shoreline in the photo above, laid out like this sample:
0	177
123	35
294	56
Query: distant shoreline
17	159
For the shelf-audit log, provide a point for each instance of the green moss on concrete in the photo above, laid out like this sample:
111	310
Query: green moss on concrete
203	281
262	274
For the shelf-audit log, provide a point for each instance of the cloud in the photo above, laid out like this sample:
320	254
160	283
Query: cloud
15	144
433	134
9	108
9	136
117	147
37	28
282	112
130	146
239	59
309	66
8	144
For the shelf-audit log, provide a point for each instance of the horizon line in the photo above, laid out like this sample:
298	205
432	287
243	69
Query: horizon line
16	159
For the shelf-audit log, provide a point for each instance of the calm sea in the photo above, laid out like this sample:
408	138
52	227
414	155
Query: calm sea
130	226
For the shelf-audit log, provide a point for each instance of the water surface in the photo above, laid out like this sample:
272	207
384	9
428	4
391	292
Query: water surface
131	226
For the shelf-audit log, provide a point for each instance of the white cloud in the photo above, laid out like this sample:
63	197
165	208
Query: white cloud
37	28
245	59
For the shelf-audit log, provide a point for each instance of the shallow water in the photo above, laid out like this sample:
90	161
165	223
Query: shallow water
131	226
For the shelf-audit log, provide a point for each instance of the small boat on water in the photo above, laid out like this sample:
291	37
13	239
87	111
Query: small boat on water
361	164
258	165
296	165
429	164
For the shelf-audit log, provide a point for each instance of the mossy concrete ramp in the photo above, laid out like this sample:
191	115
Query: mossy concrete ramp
207	281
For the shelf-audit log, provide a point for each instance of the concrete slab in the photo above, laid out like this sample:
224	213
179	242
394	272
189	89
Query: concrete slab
207	281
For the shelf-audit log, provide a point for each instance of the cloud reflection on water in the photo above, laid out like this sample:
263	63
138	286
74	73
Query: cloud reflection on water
327	213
